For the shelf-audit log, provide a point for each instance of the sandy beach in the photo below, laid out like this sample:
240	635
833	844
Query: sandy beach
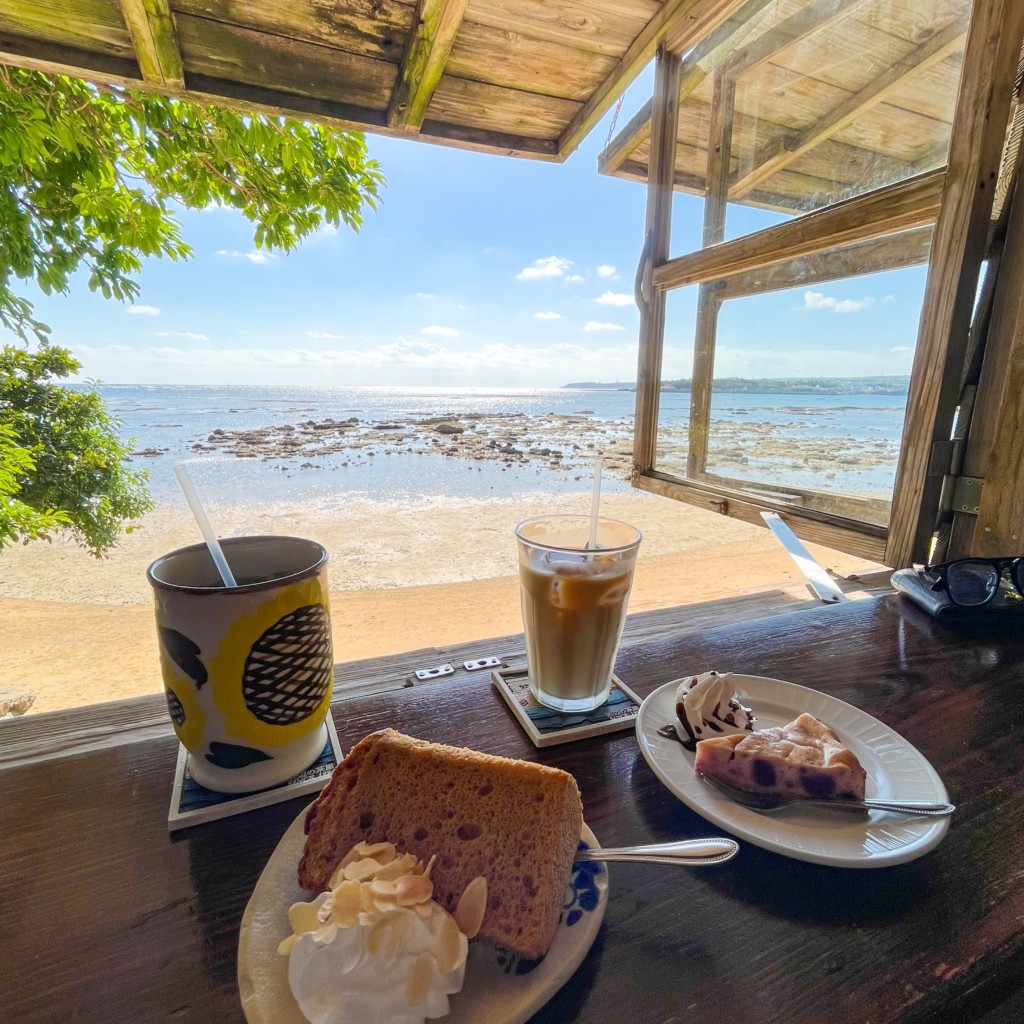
403	576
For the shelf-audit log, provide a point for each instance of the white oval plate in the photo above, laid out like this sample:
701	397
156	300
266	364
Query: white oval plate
499	988
894	769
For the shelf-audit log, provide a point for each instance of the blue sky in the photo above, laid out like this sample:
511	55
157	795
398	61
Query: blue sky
476	270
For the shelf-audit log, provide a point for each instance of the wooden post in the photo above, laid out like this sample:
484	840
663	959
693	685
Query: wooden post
995	446
976	143
716	197
665	117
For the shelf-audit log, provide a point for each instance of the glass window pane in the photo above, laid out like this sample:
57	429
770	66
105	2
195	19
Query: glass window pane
806	369
795	105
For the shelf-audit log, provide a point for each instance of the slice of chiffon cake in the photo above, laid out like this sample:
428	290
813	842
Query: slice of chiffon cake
803	759
516	823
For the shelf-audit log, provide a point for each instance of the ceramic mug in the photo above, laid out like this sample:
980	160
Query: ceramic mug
247	670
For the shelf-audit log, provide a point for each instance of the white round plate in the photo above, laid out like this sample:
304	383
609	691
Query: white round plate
499	988
894	769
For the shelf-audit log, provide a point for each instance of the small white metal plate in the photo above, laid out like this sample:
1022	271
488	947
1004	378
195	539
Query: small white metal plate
473	666
433	673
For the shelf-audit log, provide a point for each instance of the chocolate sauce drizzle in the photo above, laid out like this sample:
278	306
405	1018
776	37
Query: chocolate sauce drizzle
670	732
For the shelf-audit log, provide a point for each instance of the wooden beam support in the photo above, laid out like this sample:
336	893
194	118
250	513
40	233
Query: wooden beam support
687	21
891	252
426	54
907	204
723	106
656	246
151	27
775	157
978	134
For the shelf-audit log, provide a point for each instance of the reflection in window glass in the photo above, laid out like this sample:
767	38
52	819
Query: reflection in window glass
807	389
795	105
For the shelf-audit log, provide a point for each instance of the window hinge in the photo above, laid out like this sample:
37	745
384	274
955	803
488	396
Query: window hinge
961	494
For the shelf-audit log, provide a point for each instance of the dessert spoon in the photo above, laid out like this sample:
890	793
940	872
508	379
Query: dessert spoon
691	853
775	801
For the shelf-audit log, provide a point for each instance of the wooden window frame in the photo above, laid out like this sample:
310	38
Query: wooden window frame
953	204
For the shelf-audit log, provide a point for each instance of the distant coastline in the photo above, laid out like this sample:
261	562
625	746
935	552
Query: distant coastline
891	385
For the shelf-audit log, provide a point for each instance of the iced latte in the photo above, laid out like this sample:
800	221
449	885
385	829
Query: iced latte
574	605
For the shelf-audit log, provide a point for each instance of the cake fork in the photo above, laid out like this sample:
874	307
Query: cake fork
775	801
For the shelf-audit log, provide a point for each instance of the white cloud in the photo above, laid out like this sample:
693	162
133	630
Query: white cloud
817	300
605	270
901	349
440	332
325	336
143	310
615	299
253	256
190	335
795	362
547	316
593	325
425	296
547	266
409	361
574	277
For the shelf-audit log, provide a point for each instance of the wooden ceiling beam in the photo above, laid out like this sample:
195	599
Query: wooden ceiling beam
54	59
151	27
426	54
779	154
683	21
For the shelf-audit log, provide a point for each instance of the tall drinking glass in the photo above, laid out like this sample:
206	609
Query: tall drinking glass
574	602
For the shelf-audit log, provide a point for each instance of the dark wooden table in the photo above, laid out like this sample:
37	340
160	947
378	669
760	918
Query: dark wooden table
105	918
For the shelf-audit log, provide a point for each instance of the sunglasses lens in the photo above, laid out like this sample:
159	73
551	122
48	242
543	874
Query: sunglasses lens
972	582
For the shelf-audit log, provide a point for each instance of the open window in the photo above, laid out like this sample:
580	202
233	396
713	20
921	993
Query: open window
833	148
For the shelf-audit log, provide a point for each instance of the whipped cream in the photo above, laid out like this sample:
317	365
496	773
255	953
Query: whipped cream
376	948
706	705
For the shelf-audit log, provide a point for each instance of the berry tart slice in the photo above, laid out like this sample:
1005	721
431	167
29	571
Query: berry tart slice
803	759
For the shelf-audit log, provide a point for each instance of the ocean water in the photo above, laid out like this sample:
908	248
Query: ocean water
171	419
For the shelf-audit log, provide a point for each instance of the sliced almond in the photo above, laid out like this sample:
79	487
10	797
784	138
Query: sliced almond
450	945
303	918
412	889
346	904
383	853
402	865
360	870
382	887
424	973
469	914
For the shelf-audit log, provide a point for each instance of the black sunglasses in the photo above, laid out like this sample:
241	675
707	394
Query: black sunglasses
972	582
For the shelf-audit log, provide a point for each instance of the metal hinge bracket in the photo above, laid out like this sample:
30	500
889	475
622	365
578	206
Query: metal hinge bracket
962	494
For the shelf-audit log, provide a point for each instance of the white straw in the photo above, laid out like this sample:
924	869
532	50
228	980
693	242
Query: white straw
595	503
204	524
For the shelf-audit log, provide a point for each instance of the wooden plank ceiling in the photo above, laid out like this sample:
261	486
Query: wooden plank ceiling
828	99
523	77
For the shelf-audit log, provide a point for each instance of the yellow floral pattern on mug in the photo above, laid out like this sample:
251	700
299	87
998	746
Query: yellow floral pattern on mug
275	667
